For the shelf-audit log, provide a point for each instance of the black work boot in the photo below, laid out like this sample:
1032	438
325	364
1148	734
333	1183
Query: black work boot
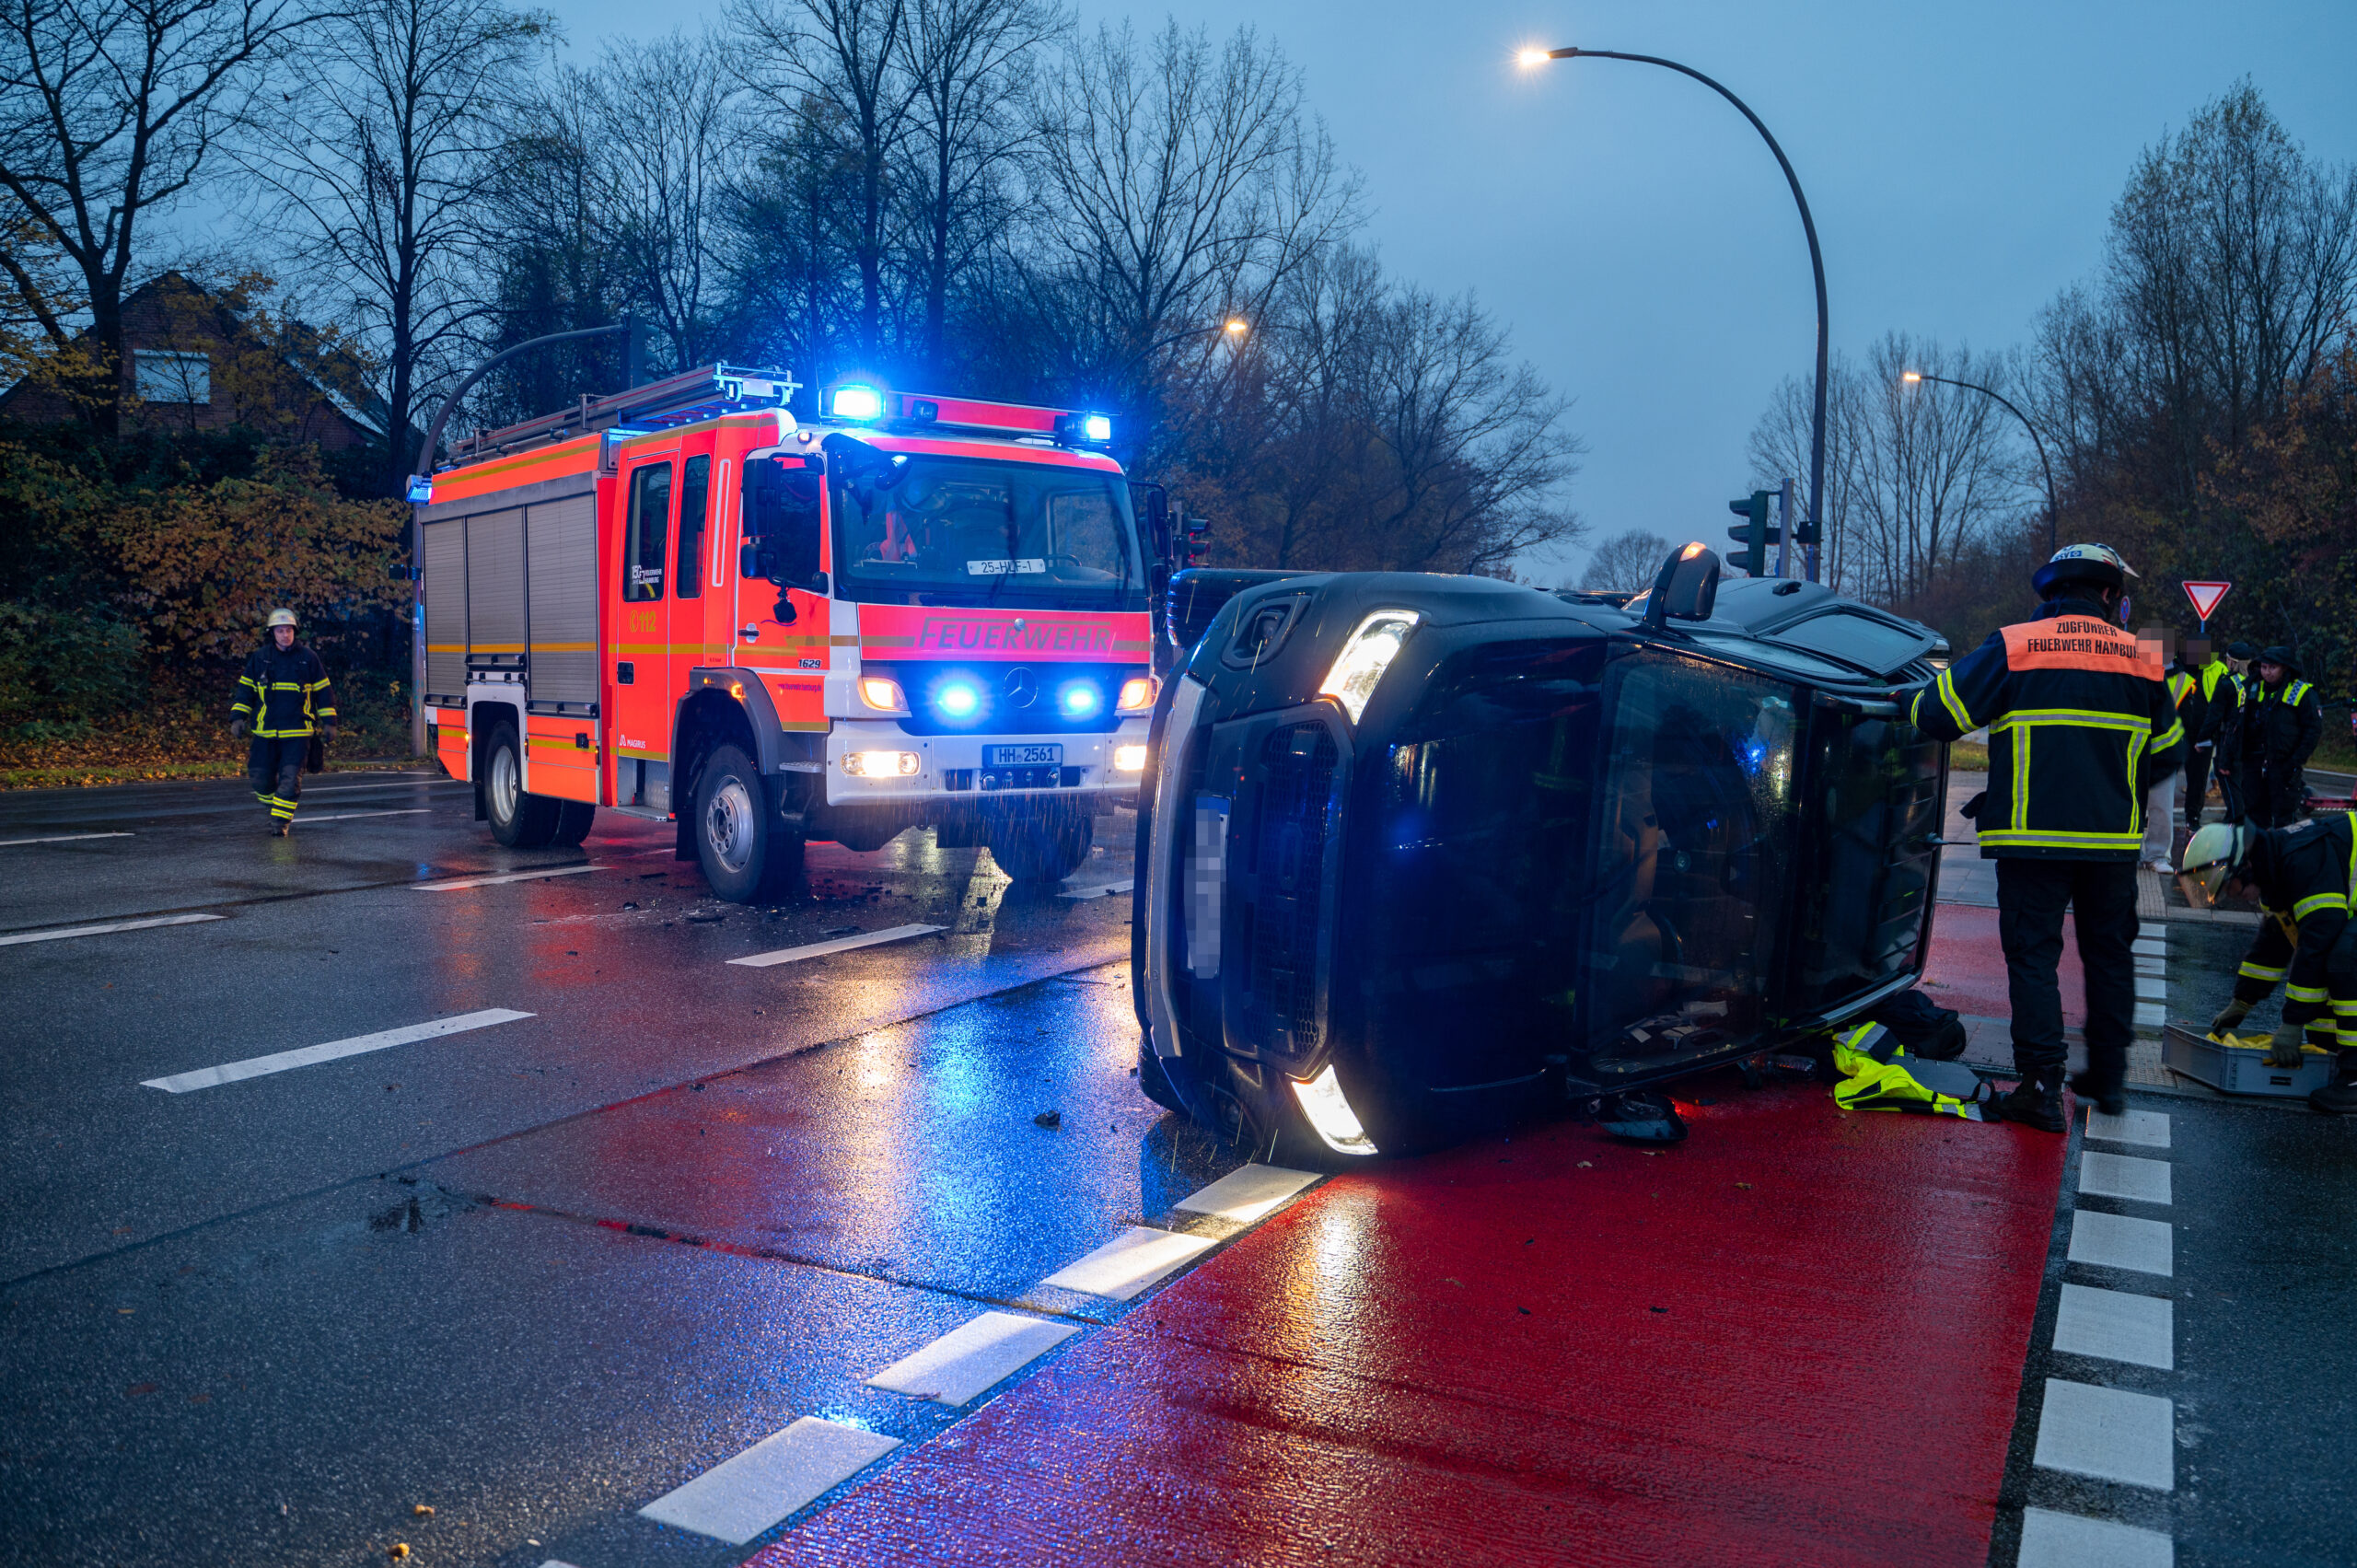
2339	1096
2110	1097
2034	1102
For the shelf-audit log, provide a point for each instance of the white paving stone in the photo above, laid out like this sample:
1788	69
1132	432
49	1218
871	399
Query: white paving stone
2067	1540
2108	1434
2123	1241
2124	1176
2115	1325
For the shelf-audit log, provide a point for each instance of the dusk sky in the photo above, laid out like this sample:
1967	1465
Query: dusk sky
1634	233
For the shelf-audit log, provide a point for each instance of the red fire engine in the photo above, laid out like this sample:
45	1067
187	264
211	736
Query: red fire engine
681	603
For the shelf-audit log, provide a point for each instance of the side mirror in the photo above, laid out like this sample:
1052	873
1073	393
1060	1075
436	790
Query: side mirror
1156	503
1686	588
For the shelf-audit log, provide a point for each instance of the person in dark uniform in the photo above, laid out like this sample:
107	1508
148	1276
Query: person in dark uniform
2214	694
2228	757
284	699
2081	721
2283	721
2304	876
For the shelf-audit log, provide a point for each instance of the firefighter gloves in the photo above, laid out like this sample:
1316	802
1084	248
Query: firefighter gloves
2234	1013
237	729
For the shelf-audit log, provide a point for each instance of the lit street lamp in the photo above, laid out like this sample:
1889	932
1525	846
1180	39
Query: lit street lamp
1533	57
2054	509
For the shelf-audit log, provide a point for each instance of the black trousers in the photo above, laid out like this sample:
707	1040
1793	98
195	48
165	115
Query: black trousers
2197	785
2272	796
275	769
2031	897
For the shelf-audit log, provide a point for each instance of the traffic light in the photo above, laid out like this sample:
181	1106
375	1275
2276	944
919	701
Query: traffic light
1753	533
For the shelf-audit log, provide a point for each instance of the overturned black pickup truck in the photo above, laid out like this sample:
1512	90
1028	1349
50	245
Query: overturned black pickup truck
1424	856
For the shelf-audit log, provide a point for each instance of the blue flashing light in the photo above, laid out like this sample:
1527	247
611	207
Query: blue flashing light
1096	428
958	700
1079	699
421	489
856	402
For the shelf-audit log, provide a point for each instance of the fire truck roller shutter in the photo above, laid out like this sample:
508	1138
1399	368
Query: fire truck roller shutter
446	609
496	590
562	555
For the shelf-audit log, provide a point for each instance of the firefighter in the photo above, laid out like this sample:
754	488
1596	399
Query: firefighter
2303	876
2229	750
2080	723
2215	695
2282	722
283	698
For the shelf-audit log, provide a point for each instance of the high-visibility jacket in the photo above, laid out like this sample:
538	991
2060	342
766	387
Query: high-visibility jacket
2220	696
284	692
2081	722
2304	874
2192	707
2281	725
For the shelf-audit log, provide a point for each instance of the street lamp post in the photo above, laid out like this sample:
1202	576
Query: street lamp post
1816	261
2053	508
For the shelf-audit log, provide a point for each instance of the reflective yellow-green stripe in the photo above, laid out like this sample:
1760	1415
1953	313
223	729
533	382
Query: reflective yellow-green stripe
2169	737
1946	687
2309	905
2026	838
2303	992
2026	717
2259	972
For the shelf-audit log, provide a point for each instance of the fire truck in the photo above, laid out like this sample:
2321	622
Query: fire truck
683	603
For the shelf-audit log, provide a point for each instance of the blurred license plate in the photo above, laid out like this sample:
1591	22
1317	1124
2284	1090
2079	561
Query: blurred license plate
1023	756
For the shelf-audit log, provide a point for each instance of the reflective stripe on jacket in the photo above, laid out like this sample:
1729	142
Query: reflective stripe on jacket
2281	725
283	692
2304	874
2080	723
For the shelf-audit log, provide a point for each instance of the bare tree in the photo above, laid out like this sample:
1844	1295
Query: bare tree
1628	559
108	109
1780	448
1933	466
379	159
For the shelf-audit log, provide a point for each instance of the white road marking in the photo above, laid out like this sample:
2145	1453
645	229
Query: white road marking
2152	946
2124	1176
1127	1265
739	1498
2108	1434
2147	1128
1102	889
2116	1326
420	781
2151	988
1247	1193
961	1363
12	940
490	881
2152	1015
2123	1241
840	945
258	1066
348	816
2153	964
2066	1540
61	839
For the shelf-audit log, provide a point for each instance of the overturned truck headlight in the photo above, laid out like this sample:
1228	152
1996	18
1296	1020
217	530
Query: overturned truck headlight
1374	643
1330	1115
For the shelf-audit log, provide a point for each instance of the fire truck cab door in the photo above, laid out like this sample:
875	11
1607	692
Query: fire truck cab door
640	651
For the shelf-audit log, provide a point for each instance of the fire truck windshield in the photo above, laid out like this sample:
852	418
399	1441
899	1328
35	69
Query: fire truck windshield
973	531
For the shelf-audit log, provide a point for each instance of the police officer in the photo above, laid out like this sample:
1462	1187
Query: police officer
283	698
2304	875
2214	700
2282	722
2080	721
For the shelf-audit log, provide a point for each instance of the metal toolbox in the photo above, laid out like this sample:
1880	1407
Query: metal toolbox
2237	1071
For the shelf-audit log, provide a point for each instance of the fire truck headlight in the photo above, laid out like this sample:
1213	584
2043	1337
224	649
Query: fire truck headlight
881	694
1330	1115
881	764
1079	698
856	401
1372	646
1138	693
958	700
1129	758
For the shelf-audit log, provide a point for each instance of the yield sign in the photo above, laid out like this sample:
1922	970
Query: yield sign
2205	597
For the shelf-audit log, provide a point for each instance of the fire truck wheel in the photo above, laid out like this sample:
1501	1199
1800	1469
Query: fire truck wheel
517	820
746	853
1046	848
573	821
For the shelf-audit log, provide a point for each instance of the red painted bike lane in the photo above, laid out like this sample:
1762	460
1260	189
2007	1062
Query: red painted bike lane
1796	1338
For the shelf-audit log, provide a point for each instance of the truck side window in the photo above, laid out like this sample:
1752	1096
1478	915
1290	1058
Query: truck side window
650	525
695	492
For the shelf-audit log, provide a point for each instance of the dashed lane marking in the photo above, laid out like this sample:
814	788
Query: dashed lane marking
2066	1540
280	1062
1247	1194
1130	1263
840	945
61	839
15	938
956	1368
2124	1176
2113	1324
348	816
1101	889
2147	1129
739	1498
492	881
2123	1241
2108	1434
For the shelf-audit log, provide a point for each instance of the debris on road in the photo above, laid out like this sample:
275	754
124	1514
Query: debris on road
1048	1119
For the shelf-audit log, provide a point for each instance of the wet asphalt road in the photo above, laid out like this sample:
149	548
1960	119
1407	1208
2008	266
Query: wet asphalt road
536	1274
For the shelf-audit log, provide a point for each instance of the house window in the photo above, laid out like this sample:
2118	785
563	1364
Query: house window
163	377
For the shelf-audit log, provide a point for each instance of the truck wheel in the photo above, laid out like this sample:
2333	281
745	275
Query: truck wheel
573	821
746	853
1046	848
518	820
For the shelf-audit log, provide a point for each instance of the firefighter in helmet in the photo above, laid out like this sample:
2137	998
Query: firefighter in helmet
2081	722
2283	721
2303	875
285	700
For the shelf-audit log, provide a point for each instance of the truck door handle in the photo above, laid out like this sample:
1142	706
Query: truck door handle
625	673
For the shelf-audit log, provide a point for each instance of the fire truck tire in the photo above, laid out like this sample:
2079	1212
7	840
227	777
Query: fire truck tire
573	821
1047	848
517	820
746	853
